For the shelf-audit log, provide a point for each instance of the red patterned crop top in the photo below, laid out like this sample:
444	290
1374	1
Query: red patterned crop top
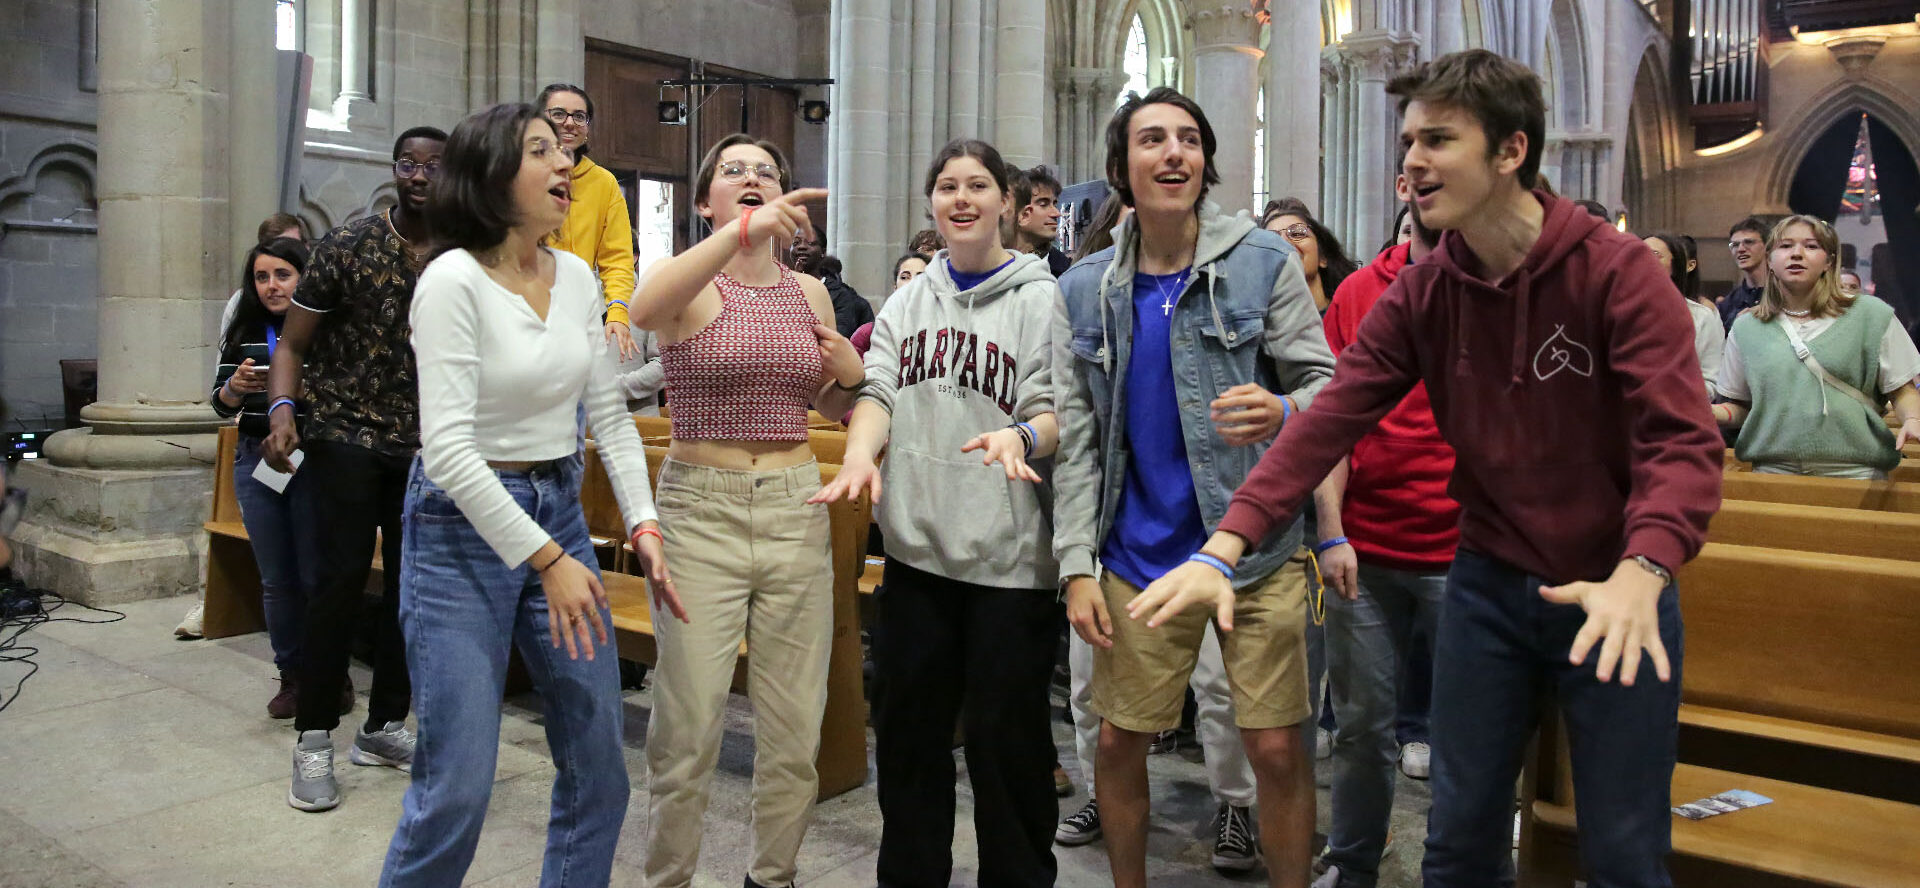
750	374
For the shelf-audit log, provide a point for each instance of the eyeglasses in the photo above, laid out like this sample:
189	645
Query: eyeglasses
561	116
735	172
406	168
1297	232
1748	243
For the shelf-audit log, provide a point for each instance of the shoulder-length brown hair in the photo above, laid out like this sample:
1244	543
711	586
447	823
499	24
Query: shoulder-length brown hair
1828	301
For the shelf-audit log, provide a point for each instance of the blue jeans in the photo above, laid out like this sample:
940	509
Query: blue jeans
460	609
1369	639
282	549
1499	649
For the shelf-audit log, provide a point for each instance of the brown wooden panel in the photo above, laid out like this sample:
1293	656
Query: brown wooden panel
1804	528
627	132
1801	635
1884	496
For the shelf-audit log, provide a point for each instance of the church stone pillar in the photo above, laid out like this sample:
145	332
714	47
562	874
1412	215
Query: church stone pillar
1293	102
1226	49
858	187
1020	86
1376	57
116	508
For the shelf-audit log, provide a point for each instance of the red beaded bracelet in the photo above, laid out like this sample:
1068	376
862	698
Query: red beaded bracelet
639	532
745	215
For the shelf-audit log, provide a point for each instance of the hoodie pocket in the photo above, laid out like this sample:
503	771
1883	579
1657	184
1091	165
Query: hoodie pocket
956	509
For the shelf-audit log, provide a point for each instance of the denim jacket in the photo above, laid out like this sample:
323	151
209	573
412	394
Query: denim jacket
1246	315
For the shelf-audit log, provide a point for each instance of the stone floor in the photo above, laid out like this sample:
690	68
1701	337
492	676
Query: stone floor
136	759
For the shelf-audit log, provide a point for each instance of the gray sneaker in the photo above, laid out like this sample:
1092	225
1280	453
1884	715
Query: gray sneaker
391	746
1330	879
313	787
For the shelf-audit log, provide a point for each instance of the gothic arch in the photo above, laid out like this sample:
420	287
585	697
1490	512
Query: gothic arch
1653	145
1165	22
69	158
1876	97
1567	47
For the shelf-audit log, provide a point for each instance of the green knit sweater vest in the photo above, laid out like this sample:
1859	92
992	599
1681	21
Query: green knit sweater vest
1786	423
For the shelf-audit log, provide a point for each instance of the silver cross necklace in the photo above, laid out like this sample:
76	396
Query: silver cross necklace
1166	296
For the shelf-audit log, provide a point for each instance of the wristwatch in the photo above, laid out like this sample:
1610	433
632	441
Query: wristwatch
1650	566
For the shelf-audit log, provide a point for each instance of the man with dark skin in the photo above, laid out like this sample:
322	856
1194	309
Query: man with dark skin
850	309
345	351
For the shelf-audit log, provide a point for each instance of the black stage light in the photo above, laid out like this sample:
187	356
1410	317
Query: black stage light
814	111
673	113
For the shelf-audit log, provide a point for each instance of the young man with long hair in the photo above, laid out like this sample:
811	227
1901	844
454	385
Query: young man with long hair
1181	351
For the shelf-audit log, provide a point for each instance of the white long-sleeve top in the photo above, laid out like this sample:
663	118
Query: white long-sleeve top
498	383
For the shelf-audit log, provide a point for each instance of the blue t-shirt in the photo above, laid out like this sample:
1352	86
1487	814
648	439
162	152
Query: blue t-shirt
964	281
1158	523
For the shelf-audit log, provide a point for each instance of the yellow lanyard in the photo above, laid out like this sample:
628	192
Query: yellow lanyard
1316	590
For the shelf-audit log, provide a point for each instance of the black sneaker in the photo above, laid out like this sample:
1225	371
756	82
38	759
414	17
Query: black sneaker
1081	828
1235	850
1164	742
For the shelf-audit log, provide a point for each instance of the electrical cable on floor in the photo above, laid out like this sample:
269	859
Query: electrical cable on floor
22	609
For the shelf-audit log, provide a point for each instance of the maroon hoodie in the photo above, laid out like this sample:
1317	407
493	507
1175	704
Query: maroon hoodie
1569	391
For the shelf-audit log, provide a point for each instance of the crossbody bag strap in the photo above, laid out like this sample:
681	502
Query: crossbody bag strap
1806	357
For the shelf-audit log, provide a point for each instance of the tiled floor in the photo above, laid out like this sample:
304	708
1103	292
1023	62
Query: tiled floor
136	759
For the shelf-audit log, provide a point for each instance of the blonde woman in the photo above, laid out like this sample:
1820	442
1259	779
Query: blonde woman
1817	414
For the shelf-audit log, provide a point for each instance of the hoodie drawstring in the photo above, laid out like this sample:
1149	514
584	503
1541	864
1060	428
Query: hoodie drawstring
1522	296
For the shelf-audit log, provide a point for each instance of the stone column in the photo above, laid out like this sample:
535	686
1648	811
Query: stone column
1376	57
1020	90
116	508
356	60
1087	101
858	186
1226	49
1293	102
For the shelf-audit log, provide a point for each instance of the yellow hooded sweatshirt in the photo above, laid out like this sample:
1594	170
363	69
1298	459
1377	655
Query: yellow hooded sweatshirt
599	230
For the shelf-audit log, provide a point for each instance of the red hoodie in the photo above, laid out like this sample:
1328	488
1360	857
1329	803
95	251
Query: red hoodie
1569	391
1396	510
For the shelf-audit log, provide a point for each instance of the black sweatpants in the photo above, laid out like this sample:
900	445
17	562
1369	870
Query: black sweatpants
946	651
350	493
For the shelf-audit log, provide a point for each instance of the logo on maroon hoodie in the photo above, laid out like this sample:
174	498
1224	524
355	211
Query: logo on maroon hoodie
1560	353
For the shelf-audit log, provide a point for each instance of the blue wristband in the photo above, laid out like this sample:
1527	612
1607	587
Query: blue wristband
1286	411
1029	435
1213	562
279	401
1324	545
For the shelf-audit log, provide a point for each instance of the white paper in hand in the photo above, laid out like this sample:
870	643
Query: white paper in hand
277	480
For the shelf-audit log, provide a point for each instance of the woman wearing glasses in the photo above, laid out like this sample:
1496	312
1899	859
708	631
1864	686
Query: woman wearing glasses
598	228
748	345
1321	257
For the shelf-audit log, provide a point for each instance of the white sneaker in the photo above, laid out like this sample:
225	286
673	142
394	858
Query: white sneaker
190	627
1416	760
1322	744
1329	879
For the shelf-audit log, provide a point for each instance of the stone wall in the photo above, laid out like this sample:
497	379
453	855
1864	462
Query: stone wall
48	279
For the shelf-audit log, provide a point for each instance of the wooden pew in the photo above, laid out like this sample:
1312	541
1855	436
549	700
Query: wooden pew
842	762
1794	687
232	597
1881	496
1838	531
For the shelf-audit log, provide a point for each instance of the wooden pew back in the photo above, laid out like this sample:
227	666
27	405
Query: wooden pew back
1802	528
1884	496
1807	636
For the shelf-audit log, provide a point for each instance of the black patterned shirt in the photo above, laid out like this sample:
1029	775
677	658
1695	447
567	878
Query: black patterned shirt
360	382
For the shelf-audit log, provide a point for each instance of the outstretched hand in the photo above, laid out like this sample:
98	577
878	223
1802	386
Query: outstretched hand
1006	447
858	475
1623	616
782	217
1187	585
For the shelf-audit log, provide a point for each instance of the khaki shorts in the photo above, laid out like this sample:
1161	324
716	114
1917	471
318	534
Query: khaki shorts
1140	683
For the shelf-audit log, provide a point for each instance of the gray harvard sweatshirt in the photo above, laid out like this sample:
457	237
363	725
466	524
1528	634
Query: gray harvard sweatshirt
948	366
